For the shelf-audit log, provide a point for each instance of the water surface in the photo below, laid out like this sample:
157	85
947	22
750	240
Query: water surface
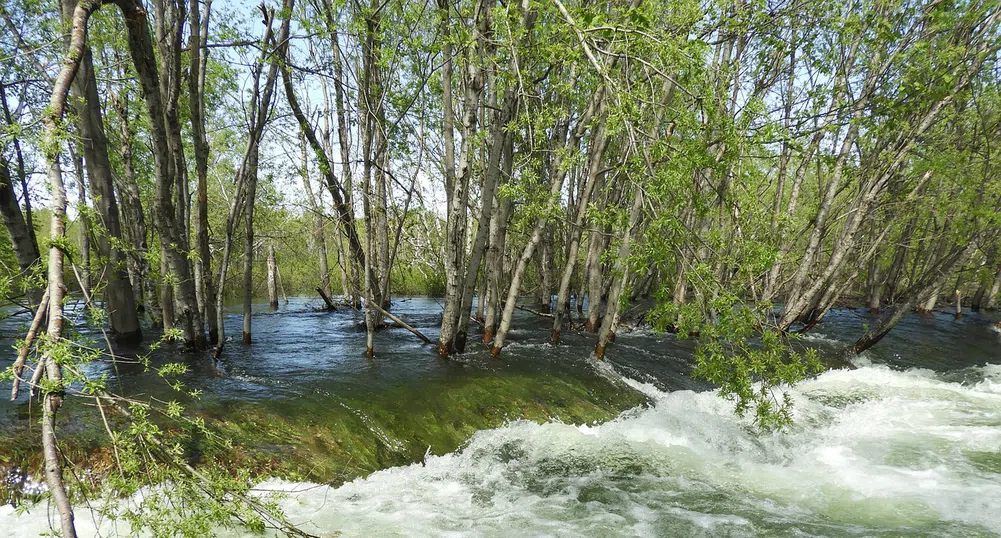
908	444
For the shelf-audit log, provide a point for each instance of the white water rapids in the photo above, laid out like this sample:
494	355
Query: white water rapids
874	452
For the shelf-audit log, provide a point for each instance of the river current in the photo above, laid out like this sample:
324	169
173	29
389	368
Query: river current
907	444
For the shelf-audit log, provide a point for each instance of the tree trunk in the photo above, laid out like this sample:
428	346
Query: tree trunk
455	222
160	96
83	221
260	107
978	298
595	247
118	294
595	161
25	249
172	195
546	270
133	217
272	278
495	253
942	272
874	286
316	207
350	262
166	293
611	319
52	399
334	186
892	281
248	249
496	142
929	303
557	175
204	287
481	296
992	293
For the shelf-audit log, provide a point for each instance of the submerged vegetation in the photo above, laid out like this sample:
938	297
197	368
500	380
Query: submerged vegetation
722	170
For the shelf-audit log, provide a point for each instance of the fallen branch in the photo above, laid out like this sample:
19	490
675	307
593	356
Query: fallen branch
405	325
330	304
536	312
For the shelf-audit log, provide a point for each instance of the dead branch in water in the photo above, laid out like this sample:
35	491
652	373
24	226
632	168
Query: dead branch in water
536	312
330	304
405	325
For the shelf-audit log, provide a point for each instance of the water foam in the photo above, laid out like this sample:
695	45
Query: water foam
873	451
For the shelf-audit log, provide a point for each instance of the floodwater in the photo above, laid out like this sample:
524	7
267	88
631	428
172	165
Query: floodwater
907	444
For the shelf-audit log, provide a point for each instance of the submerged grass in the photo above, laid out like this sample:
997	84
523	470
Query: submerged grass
331	441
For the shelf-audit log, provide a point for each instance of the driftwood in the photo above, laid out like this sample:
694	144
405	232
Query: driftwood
330	304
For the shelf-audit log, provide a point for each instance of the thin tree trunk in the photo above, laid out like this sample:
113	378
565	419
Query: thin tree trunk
495	253
546	269
53	394
942	272
272	278
481	296
166	292
595	161
595	247
133	217
992	294
334	186
204	287
892	281
929	303
983	280
172	196
496	142
83	221
319	237
17	223
248	249
260	107
612	312
350	262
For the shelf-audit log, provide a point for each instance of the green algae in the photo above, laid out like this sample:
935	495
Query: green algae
988	462
354	436
335	438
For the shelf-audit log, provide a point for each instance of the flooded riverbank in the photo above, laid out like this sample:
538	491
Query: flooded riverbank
906	444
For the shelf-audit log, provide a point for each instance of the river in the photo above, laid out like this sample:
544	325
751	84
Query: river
909	443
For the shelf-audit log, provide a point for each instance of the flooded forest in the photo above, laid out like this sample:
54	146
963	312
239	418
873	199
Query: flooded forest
487	268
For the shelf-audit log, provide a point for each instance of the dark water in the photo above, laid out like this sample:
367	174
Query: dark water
907	444
299	353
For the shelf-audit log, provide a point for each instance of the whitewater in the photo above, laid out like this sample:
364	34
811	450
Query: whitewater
873	452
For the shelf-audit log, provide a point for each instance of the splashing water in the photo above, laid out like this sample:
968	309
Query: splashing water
874	452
